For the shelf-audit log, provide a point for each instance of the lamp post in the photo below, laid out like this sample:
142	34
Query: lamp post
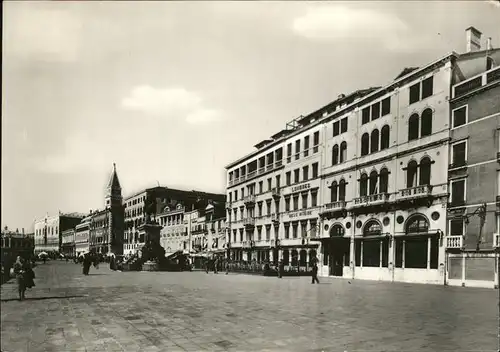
481	212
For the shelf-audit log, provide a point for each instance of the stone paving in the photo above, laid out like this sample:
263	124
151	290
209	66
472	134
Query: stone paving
193	311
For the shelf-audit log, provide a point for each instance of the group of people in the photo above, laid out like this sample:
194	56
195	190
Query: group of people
88	260
24	274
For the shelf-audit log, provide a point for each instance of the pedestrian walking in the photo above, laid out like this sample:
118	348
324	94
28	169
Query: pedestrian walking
87	263
19	270
281	269
96	261
227	267
216	263
314	273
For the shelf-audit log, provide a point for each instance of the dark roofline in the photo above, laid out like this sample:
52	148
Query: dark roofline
474	29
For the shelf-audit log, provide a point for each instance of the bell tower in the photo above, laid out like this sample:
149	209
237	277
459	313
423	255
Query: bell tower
113	191
113	204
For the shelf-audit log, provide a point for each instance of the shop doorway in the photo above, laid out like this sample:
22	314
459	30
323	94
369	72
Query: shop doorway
338	256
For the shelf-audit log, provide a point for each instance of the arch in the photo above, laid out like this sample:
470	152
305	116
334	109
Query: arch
372	227
384	180
425	171
303	257
384	137
374	141
295	257
365	144
426	123
342	190
363	185
373	182
411	174
343	151
413	123
417	223
335	154
333	192
337	230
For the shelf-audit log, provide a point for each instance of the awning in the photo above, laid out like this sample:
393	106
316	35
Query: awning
323	239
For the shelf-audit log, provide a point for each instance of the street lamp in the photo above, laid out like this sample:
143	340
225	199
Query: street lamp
481	212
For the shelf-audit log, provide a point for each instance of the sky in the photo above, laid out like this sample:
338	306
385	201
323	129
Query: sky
174	91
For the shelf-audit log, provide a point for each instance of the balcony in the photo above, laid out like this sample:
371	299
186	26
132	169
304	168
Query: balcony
416	192
458	164
278	164
251	174
269	167
249	223
454	242
496	240
261	170
276	192
263	243
474	83
249	199
275	217
373	199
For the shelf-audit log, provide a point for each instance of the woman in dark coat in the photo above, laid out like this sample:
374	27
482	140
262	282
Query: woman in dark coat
19	271
87	262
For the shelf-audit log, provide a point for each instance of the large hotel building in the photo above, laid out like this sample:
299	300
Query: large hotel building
362	183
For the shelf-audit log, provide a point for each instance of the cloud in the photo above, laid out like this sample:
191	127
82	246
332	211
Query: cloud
45	33
171	103
342	23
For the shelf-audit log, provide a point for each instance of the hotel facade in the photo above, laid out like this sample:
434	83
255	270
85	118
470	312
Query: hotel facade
361	184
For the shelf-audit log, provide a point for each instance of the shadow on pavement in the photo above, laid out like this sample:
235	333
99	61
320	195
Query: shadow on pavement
41	298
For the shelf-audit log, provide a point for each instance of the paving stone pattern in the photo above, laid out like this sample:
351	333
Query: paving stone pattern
195	311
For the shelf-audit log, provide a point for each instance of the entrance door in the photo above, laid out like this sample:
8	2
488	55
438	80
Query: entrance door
338	250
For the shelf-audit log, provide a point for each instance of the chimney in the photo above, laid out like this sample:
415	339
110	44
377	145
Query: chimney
488	44
473	37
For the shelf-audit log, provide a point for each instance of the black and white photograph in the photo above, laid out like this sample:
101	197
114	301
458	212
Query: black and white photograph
303	176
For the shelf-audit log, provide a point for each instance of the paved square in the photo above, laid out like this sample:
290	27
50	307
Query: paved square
142	311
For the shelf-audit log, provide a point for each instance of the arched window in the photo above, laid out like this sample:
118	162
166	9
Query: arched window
363	185
334	191
295	257
372	227
411	174
343	152
384	137
373	182
425	171
342	190
337	230
426	128
374	141
365	144
335	154
417	224
384	180
303	257
413	127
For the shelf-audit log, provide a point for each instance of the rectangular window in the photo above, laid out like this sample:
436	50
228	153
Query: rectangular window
399	244
268	207
287	204
261	186
295	232
457	227
459	117
297	149
457	192
386	106
296	175
371	253
305	173
304	200
306	145
414	93
259	233
416	252
459	156
336	128
289	152
314	199
268	233
269	184
343	125
315	142
314	170
235	195
288	178
287	230
375	111
427	87
357	252
296	202
365	115
259	208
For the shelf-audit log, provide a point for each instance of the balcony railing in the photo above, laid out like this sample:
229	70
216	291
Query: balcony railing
496	240
335	205
249	222
476	82
262	169
275	217
249	199
372	199
269	167
415	192
456	242
251	174
457	164
278	163
276	192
